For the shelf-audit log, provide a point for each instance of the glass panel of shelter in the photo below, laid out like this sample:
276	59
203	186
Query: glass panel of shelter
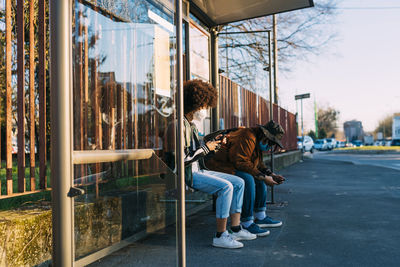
198	42
124	73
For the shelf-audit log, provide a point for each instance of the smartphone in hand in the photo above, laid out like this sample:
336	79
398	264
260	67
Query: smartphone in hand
279	179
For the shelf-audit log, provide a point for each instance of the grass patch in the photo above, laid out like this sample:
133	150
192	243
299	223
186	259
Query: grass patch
110	183
15	177
25	200
371	148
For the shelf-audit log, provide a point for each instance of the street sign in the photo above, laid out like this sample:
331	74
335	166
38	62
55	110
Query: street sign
296	97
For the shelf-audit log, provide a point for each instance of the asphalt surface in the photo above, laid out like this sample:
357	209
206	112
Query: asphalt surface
334	213
389	160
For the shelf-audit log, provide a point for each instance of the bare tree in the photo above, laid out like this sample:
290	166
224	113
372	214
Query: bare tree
300	34
385	125
327	122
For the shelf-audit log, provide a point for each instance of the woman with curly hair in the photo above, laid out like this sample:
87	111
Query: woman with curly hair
198	97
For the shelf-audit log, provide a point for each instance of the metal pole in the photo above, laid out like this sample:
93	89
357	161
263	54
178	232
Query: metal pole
215	77
302	129
62	208
258	31
179	139
274	27
226	54
271	115
315	118
297	118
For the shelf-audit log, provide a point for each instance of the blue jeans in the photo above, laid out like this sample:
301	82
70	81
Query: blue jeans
255	196
229	189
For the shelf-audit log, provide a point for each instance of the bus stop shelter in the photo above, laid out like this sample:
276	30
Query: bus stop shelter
64	157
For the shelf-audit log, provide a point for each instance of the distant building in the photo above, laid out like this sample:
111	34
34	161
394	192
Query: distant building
353	130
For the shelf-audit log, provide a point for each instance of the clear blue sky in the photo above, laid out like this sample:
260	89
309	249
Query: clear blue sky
359	74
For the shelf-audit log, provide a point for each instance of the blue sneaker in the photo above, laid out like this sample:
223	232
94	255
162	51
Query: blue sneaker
268	222
255	229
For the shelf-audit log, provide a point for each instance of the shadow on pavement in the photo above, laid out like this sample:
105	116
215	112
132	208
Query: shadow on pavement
334	213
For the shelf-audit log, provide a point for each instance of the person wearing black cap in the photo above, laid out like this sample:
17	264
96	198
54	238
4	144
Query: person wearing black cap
242	155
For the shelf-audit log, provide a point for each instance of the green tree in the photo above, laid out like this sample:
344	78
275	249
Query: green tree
311	133
322	134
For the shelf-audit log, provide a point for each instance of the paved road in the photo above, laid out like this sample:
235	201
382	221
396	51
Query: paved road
391	160
335	213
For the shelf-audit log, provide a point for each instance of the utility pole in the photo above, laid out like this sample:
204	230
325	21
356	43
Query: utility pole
275	40
301	97
316	117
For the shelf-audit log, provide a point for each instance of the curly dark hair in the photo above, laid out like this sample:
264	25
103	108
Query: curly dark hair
197	95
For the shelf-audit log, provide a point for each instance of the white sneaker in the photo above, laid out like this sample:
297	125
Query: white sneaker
243	234
226	241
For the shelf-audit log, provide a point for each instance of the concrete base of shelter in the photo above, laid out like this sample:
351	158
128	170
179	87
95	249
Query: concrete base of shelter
27	232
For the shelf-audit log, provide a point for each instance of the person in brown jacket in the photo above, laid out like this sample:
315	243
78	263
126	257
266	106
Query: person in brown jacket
242	155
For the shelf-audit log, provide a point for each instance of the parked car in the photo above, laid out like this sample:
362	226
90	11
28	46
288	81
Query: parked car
348	144
357	143
321	144
368	140
378	143
395	142
331	143
308	144
340	144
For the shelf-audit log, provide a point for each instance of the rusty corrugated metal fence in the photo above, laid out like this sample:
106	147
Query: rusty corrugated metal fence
107	114
241	107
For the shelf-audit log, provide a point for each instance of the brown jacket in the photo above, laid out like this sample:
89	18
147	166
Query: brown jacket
240	153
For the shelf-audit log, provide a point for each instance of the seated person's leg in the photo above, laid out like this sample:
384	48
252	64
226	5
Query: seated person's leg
236	206
248	205
211	184
238	188
260	203
260	207
248	196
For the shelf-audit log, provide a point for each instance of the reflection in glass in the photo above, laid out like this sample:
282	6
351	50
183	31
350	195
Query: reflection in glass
129	207
199	53
124	72
123	75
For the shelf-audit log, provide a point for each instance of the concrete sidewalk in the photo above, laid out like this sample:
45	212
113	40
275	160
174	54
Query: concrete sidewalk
334	214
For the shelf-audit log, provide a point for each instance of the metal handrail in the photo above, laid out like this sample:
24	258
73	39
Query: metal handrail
97	156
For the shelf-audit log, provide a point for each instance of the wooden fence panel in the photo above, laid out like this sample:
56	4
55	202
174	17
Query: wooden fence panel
32	144
21	94
42	94
133	122
9	183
